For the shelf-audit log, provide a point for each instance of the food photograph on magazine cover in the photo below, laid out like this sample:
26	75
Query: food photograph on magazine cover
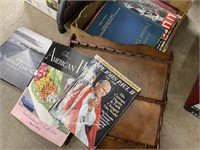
94	102
58	69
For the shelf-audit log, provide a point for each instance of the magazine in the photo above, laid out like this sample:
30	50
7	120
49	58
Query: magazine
94	102
119	24
21	55
156	13
57	71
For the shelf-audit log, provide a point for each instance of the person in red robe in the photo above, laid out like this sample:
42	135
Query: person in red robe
84	108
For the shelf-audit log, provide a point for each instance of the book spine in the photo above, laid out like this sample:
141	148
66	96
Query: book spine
169	22
160	44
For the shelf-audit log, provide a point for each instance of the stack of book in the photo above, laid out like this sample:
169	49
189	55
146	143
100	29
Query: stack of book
68	92
135	22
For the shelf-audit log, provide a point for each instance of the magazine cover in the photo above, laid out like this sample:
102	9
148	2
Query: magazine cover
57	71
21	55
94	102
119	24
49	7
24	110
154	12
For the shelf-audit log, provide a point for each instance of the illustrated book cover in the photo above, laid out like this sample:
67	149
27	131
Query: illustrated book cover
192	103
94	102
119	24
155	13
60	66
21	55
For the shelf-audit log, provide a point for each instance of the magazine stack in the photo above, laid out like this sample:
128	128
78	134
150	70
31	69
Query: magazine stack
73	93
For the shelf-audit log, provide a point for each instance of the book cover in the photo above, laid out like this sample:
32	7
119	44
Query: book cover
21	55
154	12
24	111
119	24
57	71
94	102
192	103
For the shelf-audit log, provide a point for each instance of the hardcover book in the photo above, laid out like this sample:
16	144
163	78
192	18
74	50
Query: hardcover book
119	24
57	71
21	55
156	13
94	102
192	103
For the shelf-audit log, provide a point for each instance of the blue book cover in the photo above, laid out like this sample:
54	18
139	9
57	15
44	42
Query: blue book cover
119	24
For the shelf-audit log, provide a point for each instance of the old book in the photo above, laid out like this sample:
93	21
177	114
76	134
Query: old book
95	101
119	24
21	55
192	103
58	69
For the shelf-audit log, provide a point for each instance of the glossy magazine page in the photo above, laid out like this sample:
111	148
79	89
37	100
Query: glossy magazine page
119	24
57	71
24	110
94	102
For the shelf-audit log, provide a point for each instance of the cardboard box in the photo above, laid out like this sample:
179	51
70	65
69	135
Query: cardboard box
89	11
